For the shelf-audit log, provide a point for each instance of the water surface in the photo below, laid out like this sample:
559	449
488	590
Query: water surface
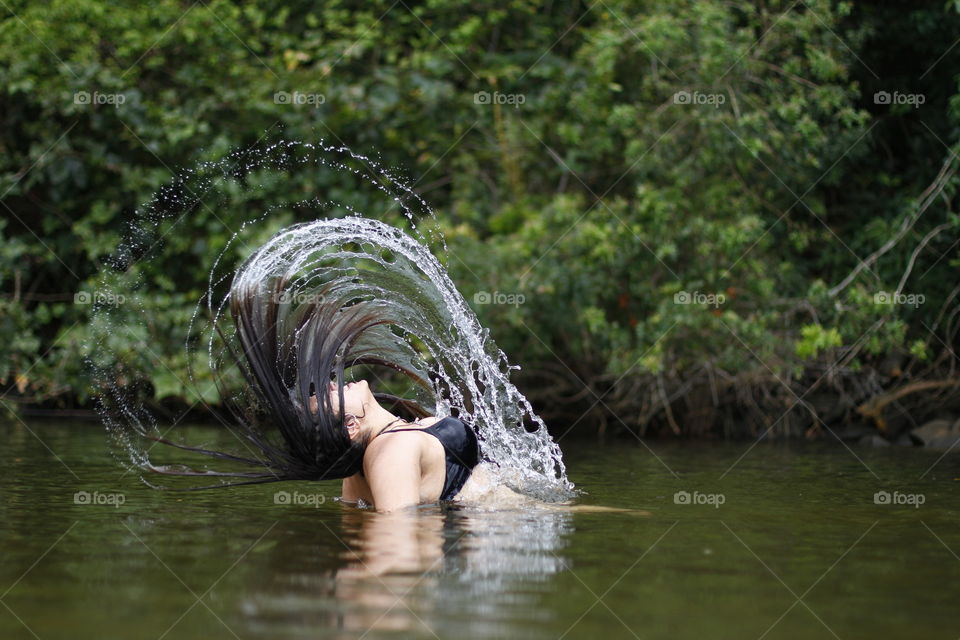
787	541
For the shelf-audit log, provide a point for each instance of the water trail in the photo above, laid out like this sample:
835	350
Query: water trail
341	255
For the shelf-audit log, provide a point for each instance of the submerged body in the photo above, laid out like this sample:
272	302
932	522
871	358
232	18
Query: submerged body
421	464
404	465
316	305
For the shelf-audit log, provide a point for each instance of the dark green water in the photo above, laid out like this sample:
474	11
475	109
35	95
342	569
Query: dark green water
798	549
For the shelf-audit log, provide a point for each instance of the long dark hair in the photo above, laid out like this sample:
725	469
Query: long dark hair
288	348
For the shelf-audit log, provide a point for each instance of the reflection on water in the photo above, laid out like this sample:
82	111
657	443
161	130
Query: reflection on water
435	567
795	520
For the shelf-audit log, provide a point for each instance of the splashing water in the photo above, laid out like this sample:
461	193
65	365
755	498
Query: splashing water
345	257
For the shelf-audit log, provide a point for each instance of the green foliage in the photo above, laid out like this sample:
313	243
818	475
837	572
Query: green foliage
668	185
816	339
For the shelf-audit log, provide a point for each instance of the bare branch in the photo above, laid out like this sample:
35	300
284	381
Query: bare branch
947	171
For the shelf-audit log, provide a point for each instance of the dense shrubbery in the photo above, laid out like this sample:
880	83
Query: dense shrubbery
676	191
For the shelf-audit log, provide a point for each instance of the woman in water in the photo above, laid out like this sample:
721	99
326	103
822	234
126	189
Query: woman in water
288	348
306	309
299	420
430	459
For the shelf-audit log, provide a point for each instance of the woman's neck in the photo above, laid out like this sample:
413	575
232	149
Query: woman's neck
381	420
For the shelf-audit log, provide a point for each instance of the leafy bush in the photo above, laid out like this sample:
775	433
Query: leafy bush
677	191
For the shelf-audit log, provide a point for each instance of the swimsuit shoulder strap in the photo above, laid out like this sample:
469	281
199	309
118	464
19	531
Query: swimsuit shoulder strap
431	426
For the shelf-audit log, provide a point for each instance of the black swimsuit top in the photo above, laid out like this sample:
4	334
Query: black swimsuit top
460	448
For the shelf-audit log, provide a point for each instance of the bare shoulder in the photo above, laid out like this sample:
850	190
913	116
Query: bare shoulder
401	442
391	443
405	439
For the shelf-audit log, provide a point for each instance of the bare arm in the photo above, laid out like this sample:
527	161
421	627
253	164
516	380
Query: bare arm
355	487
393	474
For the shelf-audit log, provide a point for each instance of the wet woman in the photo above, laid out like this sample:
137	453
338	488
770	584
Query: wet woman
289	348
293	344
292	431
404	463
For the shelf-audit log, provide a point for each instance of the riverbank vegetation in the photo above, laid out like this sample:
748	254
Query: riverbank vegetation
693	218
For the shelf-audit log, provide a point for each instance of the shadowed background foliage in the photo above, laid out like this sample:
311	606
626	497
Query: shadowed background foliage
694	217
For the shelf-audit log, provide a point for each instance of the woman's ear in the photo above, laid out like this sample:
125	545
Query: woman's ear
352	424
